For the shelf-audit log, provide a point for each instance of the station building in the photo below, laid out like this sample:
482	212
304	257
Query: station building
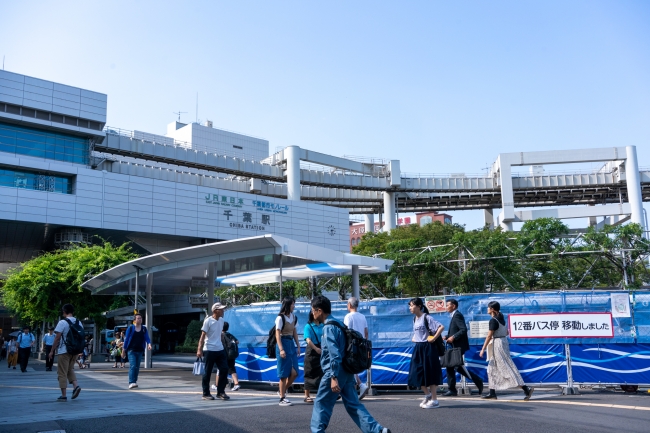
57	189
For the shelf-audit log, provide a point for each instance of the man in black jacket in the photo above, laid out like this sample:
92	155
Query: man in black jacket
457	337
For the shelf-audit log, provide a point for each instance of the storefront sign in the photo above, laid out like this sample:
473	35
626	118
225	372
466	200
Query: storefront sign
561	325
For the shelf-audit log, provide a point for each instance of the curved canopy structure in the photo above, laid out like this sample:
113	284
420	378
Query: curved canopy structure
246	261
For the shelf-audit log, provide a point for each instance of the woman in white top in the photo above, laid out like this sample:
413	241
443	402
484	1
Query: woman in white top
285	351
425	371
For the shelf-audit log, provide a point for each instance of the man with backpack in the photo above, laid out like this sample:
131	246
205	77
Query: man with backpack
68	344
336	379
26	341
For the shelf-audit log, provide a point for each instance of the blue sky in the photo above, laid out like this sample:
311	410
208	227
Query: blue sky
443	86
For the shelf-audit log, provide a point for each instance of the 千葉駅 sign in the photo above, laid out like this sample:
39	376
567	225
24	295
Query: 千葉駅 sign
561	325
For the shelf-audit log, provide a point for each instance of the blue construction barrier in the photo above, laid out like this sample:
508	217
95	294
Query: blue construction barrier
623	359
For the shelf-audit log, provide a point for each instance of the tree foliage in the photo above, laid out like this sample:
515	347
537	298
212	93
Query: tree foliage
36	290
440	258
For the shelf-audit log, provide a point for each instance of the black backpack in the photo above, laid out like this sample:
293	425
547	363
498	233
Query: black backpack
230	345
271	342
440	345
75	339
357	356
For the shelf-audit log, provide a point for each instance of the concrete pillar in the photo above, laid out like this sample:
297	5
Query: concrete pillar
634	185
370	223
212	276
488	218
149	319
355	281
293	172
507	193
389	211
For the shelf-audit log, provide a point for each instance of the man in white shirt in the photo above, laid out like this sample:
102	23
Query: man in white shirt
65	363
357	321
210	345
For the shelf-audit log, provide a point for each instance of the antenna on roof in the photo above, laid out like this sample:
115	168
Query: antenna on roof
179	114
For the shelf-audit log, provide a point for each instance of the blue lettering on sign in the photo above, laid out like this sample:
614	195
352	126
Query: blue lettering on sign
267	206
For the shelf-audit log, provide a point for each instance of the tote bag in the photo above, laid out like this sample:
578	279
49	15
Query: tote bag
199	367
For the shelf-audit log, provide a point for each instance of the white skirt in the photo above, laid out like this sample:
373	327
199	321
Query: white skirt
502	372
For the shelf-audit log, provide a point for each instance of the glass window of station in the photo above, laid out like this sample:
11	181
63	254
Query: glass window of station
21	140
39	181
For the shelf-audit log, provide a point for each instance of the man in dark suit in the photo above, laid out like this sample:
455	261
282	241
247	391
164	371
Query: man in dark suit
457	337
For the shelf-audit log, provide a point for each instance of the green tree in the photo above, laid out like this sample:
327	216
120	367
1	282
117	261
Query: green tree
35	290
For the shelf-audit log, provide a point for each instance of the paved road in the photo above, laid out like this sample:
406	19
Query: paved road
169	400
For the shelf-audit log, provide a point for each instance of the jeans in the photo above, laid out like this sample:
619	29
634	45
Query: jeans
220	358
23	357
325	400
134	365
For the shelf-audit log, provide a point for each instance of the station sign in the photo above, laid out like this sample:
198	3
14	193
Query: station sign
561	325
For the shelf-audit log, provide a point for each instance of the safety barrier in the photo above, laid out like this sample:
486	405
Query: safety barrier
566	362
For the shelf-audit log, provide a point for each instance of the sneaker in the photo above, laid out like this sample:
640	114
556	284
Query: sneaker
363	391
426	400
75	392
207	397
223	396
236	387
62	399
132	385
385	430
431	404
286	399
529	394
450	394
285	402
213	387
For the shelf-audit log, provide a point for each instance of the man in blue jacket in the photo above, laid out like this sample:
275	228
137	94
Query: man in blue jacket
336	381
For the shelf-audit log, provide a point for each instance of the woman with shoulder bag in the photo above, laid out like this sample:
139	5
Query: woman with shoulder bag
313	333
425	371
502	372
117	349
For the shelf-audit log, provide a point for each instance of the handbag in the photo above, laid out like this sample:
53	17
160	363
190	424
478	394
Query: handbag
453	358
199	367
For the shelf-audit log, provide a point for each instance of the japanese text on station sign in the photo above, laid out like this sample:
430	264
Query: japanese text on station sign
561	325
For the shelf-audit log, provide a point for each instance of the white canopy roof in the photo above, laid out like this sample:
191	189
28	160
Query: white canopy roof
175	269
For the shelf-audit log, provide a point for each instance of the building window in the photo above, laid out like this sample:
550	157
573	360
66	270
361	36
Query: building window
40	181
425	220
22	140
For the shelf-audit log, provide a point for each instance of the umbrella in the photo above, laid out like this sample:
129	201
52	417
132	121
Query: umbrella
15	333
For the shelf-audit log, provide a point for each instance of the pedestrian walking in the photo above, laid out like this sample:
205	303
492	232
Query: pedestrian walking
48	342
136	342
336	381
286	352
3	347
26	341
502	372
12	352
313	334
227	340
425	371
457	337
357	321
212	350
65	361
117	346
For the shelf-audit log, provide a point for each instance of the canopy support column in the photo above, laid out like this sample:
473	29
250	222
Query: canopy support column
149	320
355	281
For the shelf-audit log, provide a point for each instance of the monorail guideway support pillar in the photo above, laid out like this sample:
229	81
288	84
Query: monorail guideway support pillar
149	320
369	220
488	217
293	172
634	185
389	211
